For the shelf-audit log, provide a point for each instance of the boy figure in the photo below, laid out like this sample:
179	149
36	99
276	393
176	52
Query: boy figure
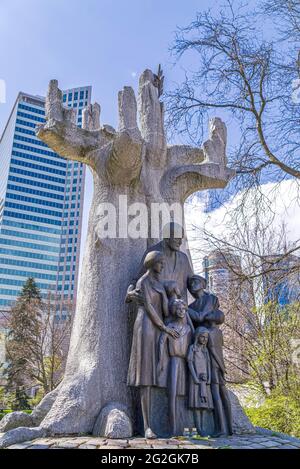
221	400
204	302
173	369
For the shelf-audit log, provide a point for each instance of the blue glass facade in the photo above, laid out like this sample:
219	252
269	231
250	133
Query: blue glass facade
41	202
281	279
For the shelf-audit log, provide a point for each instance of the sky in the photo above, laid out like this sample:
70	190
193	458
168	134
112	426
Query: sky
102	43
284	197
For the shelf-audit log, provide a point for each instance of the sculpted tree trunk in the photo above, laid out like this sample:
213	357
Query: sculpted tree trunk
134	162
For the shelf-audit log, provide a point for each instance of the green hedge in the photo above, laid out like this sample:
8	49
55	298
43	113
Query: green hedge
4	412
278	413
8	411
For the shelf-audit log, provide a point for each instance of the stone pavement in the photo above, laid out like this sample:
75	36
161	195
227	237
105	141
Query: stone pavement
257	441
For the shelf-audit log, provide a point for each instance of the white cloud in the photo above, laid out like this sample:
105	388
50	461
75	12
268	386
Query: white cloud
285	204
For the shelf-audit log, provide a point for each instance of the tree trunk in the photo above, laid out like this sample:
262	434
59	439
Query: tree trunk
96	369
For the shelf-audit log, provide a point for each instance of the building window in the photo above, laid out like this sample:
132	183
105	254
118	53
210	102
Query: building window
35	183
24	216
32	109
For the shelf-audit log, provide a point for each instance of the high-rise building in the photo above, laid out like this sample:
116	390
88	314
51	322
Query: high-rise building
281	278
41	203
224	275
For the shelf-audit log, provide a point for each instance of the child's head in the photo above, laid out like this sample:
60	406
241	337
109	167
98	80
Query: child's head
216	317
196	284
154	261
178	308
201	336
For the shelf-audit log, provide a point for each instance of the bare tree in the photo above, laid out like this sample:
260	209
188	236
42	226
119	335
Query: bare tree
269	349
36	345
250	79
253	284
288	14
53	344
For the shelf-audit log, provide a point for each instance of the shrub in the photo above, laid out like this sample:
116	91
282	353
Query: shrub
4	412
278	413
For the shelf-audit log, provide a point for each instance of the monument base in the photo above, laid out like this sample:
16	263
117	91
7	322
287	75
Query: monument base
185	417
114	422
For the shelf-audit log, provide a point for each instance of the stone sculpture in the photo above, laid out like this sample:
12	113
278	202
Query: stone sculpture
136	163
159	358
204	302
148	325
205	311
222	405
177	267
176	365
200	397
159	81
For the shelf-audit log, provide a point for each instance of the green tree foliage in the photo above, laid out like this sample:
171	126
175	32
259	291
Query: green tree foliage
37	344
271	349
278	413
273	355
20	400
24	324
30	291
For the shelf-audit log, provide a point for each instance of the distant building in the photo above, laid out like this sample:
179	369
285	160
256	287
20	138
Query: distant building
281	278
224	275
41	203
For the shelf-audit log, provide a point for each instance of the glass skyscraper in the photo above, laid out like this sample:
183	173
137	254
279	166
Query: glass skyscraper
41	203
281	278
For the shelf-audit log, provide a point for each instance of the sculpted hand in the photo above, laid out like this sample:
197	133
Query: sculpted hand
174	334
134	296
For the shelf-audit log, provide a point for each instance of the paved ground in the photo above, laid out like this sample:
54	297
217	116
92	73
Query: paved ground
235	442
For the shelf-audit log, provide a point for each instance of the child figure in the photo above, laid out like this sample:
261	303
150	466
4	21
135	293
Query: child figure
204	303
172	366
200	398
221	399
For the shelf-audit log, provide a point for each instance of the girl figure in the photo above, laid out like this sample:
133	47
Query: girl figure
200	398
